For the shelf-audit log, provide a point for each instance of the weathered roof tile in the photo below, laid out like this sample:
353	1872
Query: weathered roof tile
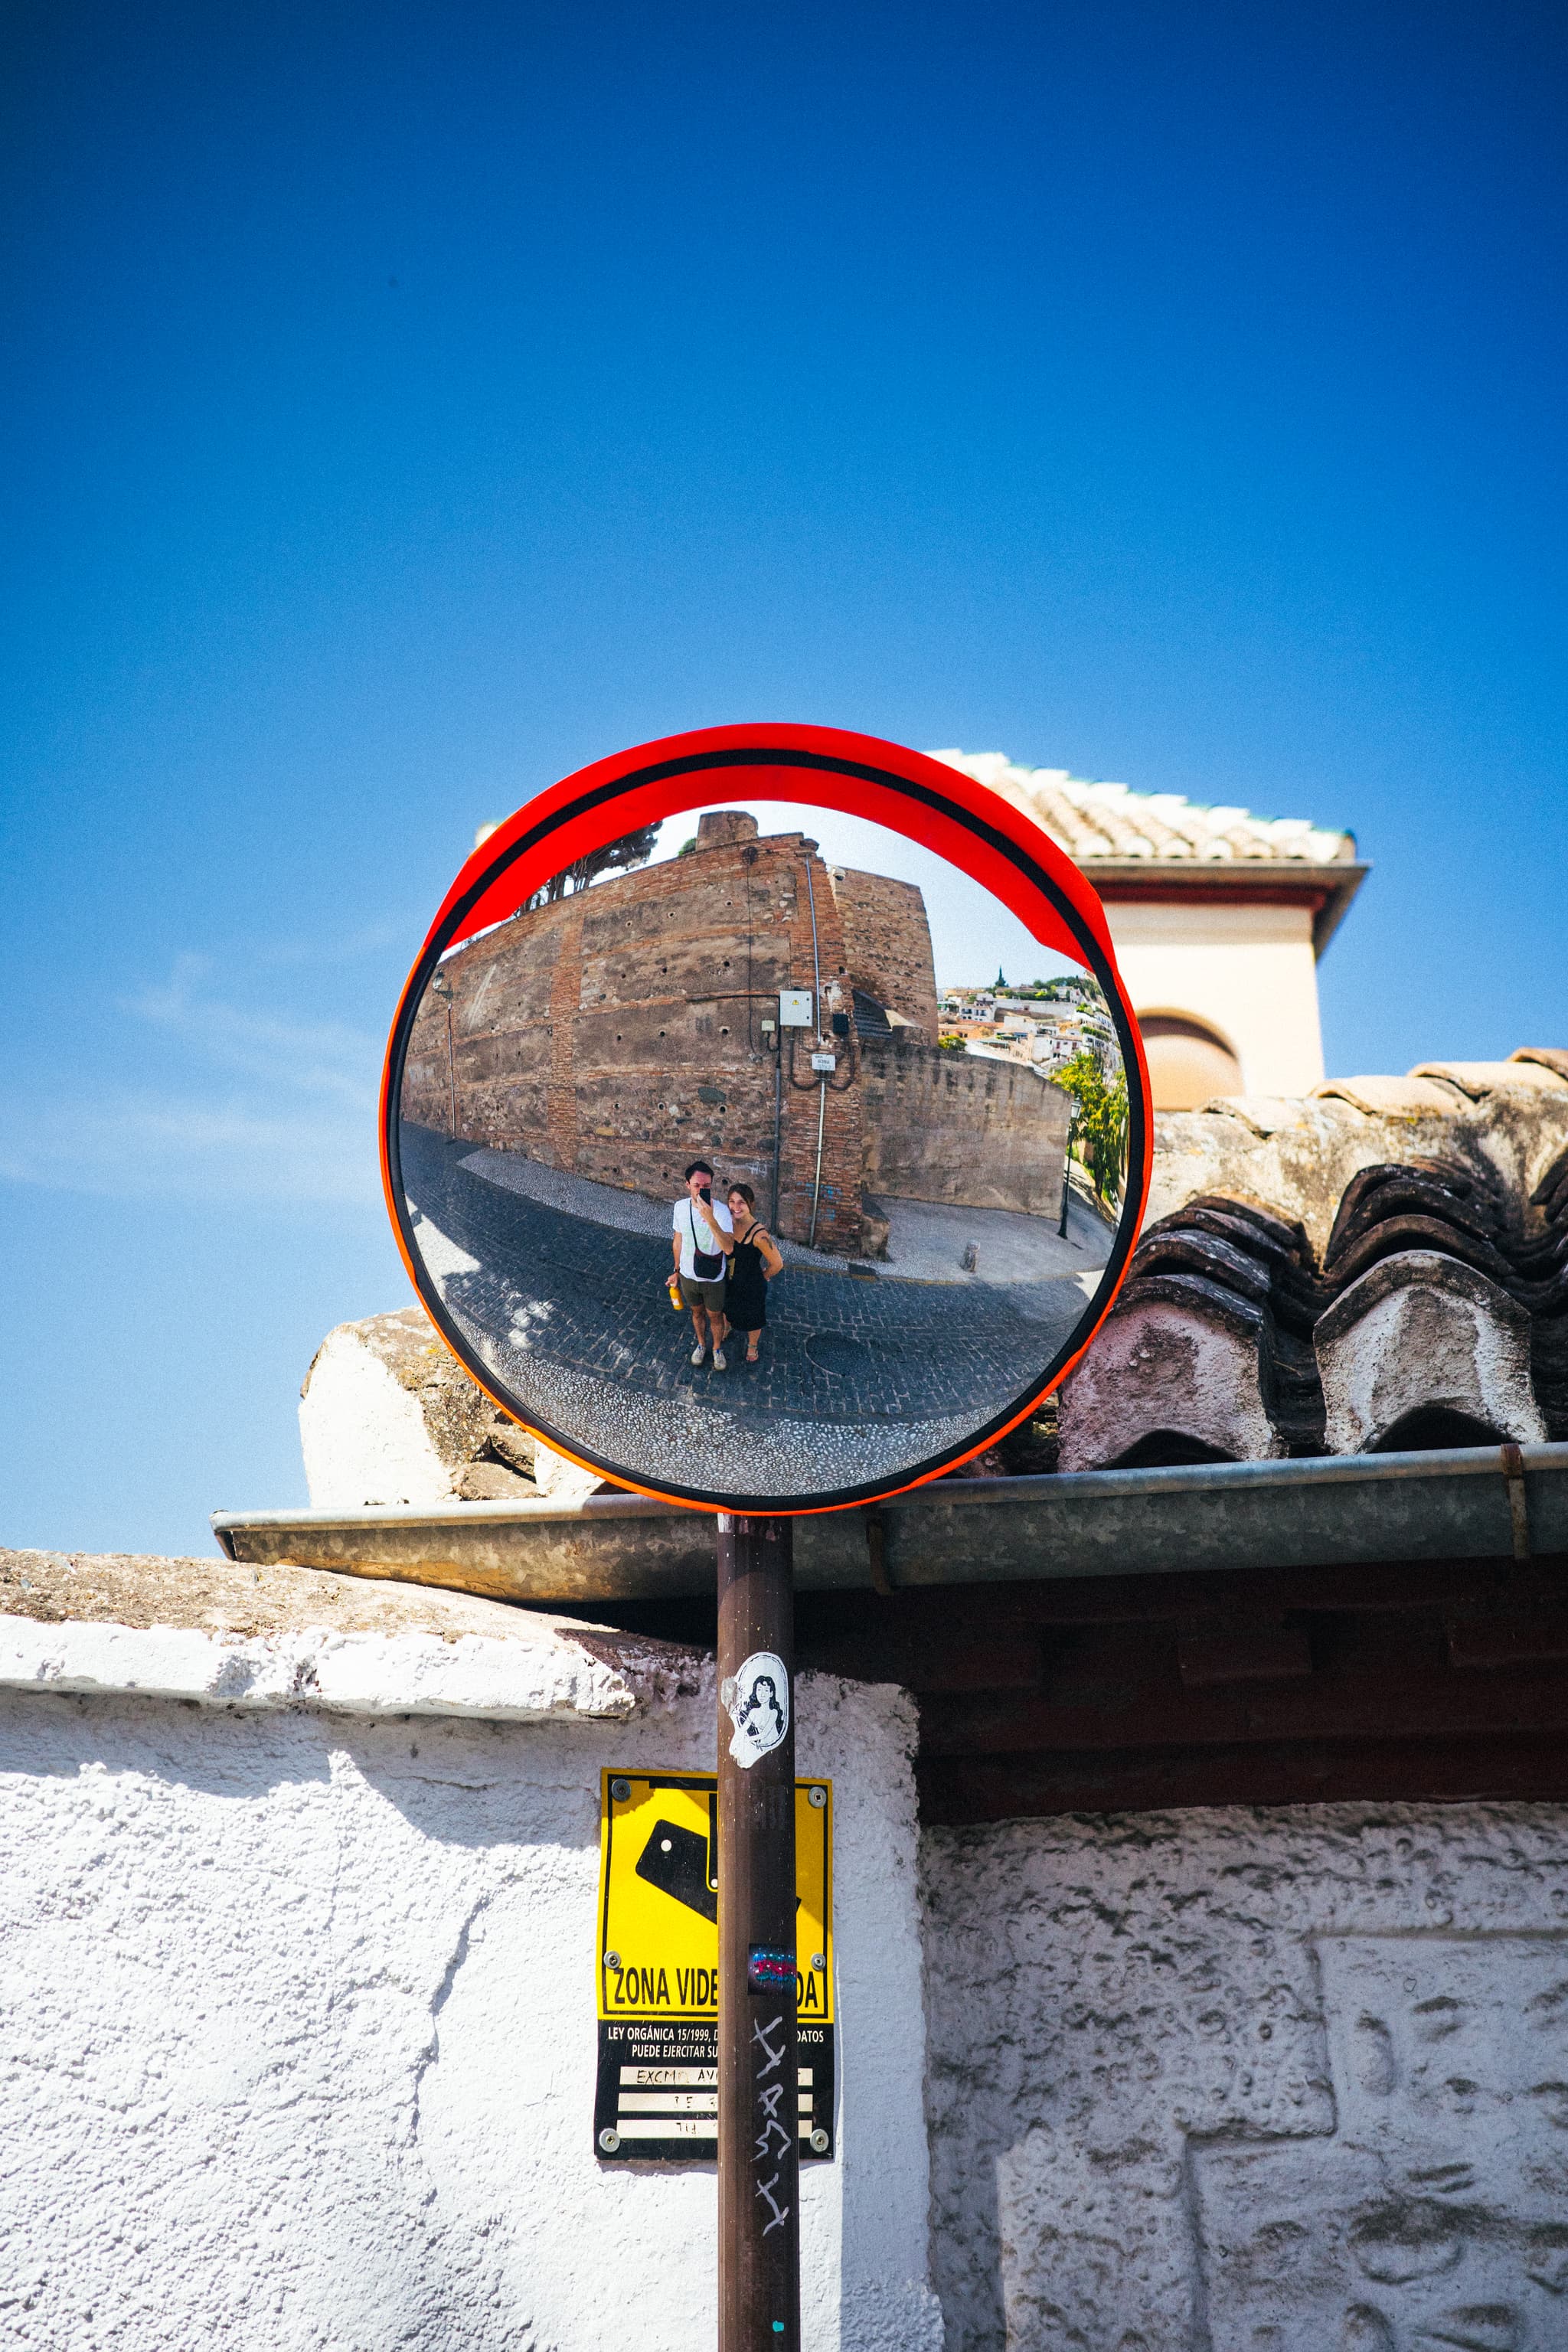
1390	1097
1095	822
1478	1079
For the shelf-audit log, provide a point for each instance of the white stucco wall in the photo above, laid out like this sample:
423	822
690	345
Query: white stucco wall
298	2003
1252	2082
1248	971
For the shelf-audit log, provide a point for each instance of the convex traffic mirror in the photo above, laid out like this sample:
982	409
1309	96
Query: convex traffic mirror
765	1124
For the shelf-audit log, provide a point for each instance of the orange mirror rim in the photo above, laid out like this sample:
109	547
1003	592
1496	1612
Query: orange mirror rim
973	829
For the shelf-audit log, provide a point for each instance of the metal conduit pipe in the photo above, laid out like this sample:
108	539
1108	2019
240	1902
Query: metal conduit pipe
822	1088
1466	1503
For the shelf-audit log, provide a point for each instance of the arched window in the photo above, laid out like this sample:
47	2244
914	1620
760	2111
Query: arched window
1188	1061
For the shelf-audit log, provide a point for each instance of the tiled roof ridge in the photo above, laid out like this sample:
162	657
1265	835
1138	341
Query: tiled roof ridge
1222	1265
1094	820
1428	1307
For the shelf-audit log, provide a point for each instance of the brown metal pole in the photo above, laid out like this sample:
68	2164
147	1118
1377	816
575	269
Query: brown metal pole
759	2131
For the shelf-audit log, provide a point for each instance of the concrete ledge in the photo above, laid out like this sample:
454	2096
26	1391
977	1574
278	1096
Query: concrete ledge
226	1635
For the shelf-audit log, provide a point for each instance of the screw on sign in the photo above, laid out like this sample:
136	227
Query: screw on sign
799	1163
657	2088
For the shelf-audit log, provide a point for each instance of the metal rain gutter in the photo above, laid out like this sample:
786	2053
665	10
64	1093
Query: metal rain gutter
1463	1503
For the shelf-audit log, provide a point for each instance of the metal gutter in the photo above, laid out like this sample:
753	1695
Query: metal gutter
1466	1503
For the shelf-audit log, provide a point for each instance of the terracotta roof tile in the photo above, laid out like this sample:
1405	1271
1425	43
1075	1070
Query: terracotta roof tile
1391	1097
1478	1079
1098	821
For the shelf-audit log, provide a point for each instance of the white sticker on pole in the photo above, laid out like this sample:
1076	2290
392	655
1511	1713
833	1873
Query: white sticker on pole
756	1701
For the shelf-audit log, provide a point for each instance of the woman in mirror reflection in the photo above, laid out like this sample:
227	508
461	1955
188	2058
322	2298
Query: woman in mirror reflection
753	1263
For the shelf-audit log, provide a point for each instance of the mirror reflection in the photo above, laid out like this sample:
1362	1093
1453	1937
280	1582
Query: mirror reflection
752	1167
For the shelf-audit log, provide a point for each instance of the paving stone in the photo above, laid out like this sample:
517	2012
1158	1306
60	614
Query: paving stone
856	1377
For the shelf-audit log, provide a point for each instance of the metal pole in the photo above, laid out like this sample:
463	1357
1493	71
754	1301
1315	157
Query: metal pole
441	989
759	2129
778	1122
1067	1175
815	957
816	1018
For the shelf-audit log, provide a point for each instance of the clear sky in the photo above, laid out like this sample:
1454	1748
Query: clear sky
407	404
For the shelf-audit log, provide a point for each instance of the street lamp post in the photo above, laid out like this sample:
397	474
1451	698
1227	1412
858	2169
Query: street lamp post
1066	1174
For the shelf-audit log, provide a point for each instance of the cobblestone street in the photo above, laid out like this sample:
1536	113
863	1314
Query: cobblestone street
858	1374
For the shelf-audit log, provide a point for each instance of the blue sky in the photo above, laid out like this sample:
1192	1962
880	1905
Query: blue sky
407	406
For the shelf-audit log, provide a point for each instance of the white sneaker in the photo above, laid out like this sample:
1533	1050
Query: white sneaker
698	1354
720	1364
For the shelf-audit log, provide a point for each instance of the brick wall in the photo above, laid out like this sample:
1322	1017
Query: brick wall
960	1128
502	1039
886	943
617	1034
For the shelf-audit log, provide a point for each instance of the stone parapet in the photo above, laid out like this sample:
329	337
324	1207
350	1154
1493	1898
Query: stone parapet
968	1129
225	1634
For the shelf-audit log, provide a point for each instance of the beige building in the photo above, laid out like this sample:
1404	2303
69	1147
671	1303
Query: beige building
1218	918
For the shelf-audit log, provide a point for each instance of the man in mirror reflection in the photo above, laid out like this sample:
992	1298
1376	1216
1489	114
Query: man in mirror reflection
702	1241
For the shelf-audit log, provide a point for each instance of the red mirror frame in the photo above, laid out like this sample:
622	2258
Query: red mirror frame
941	808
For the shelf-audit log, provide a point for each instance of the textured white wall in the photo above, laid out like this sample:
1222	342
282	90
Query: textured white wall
1252	2082
300	2036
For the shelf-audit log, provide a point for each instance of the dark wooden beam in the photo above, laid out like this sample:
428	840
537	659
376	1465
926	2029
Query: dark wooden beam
866	1622
1418	1680
1409	1698
1233	1651
1505	1767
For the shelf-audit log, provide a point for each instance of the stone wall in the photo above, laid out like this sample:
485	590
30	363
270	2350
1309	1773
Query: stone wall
887	943
961	1127
616	1033
301	1879
1251	2082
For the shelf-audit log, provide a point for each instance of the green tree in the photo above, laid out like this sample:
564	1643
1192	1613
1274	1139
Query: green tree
632	849
1099	1116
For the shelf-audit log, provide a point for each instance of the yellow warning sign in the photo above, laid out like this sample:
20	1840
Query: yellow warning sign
659	1896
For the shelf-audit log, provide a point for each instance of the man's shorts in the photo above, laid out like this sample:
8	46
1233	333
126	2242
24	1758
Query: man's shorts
702	1293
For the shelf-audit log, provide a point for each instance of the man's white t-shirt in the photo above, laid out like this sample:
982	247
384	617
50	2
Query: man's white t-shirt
688	1222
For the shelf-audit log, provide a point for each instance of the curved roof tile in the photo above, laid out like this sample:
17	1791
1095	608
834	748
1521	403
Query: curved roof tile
1098	821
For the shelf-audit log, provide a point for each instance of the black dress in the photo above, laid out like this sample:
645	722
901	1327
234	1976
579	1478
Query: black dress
746	1292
